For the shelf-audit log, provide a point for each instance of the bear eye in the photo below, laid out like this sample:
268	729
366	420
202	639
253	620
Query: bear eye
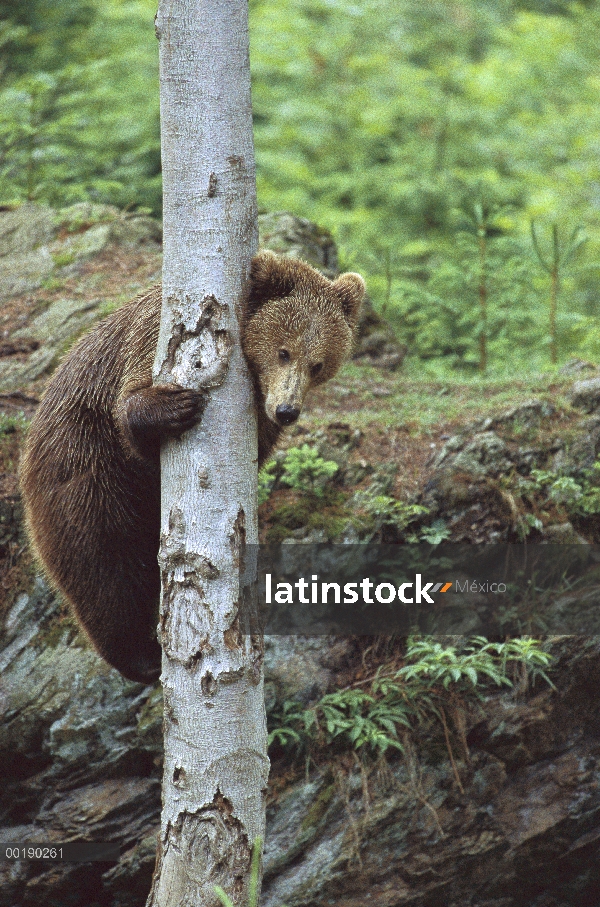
284	356
316	370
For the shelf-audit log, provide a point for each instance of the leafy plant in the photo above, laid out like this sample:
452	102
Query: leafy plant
526	523
576	496
435	534
383	510
305	471
370	719
352	717
266	481
433	663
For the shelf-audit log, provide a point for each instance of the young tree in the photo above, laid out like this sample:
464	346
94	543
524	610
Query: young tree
555	264
216	767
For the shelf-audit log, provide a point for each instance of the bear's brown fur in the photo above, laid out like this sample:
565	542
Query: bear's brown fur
90	473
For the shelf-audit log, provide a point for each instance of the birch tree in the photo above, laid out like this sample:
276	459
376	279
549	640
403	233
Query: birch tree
215	769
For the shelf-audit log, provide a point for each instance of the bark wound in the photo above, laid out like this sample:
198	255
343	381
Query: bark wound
184	632
179	777
214	851
208	684
258	654
237	539
206	347
168	705
226	677
173	555
233	635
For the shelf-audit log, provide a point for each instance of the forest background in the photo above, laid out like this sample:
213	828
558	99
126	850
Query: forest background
453	149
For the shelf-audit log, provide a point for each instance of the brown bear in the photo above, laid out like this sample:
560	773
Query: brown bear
90	473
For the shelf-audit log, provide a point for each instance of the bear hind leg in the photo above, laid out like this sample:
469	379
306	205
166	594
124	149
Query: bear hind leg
135	654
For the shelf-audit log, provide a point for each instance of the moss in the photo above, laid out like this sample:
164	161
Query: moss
53	283
12	422
107	308
318	808
60	630
327	514
62	259
63	348
81	216
111	305
292	515
12	431
331	524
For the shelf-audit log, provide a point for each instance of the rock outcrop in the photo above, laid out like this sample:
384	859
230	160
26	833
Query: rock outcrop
515	822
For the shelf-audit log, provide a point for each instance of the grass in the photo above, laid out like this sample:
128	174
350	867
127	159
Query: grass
421	397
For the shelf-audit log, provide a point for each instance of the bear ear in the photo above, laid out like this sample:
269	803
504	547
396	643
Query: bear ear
350	290
270	278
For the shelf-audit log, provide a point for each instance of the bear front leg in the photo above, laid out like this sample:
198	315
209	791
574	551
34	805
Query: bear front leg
151	413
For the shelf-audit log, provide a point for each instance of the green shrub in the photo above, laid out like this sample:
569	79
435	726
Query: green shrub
578	496
266	481
383	510
307	472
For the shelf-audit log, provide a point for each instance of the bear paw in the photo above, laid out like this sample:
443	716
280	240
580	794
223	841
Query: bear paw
159	412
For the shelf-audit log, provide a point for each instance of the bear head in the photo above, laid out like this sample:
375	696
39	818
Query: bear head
298	329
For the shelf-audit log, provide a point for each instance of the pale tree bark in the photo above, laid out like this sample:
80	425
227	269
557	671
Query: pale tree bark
216	768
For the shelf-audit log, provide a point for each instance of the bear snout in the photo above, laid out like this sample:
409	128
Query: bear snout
286	414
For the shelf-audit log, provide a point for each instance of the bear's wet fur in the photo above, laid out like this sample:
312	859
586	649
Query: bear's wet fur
90	473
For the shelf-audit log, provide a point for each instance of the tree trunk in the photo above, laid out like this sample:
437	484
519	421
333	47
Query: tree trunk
216	767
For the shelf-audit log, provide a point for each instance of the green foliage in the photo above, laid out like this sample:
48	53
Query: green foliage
375	512
266	481
446	317
435	534
526	523
480	662
418	133
79	105
382	510
370	720
578	496
318	504
497	104
12	422
371	511
301	469
555	264
307	472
